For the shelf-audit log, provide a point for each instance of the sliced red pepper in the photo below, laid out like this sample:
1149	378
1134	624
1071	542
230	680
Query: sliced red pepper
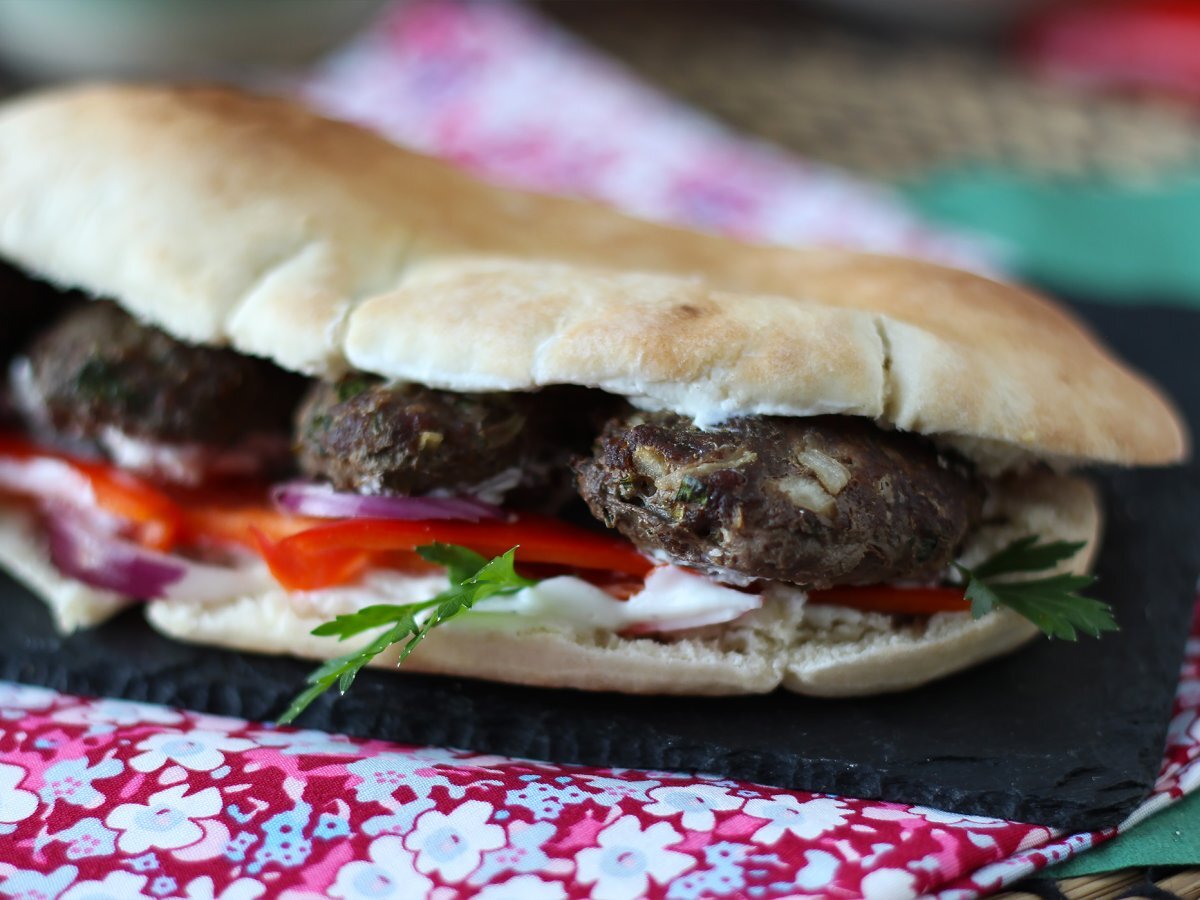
237	520
310	573
303	560
158	519
883	598
308	554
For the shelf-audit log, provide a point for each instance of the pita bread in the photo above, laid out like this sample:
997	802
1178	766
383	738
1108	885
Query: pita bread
231	219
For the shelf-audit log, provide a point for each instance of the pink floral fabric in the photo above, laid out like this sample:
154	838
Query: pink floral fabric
106	798
496	89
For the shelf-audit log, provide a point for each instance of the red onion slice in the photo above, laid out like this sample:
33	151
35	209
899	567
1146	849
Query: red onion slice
323	502
93	556
47	479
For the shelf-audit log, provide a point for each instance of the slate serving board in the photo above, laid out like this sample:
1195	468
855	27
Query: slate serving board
1068	735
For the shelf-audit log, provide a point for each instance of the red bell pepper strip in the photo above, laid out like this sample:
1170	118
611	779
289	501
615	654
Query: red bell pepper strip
306	560
242	520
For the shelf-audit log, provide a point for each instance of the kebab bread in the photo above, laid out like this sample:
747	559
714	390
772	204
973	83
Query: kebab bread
232	220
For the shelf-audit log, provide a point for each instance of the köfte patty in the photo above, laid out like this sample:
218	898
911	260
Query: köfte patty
99	377
363	435
819	501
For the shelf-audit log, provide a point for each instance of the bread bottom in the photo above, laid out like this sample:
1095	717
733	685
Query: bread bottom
810	649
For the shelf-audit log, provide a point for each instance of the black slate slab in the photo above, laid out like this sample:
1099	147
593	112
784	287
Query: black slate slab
1068	735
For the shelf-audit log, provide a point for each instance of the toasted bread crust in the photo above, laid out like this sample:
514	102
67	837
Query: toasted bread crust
226	218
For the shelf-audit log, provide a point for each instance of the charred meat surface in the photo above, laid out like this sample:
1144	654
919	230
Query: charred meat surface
815	501
363	435
99	377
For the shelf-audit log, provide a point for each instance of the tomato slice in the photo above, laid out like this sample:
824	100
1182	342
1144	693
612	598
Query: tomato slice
883	598
336	549
157	518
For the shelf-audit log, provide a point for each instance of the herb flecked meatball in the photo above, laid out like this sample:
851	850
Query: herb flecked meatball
98	376
363	435
814	501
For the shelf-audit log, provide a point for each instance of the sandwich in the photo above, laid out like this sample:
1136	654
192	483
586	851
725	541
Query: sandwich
295	390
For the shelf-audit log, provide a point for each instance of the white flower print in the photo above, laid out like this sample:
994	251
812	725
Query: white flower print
383	774
71	781
453	845
614	790
806	820
117	712
628	857
697	802
115	886
944	818
200	751
20	696
523	887
306	743
166	821
889	884
16	805
388	876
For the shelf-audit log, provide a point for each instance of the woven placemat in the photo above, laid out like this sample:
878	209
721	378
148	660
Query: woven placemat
882	104
1143	883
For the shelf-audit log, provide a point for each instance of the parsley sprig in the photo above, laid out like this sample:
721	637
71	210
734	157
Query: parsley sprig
472	579
1052	603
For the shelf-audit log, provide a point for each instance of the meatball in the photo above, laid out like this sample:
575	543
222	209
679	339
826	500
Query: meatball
815	501
374	438
100	378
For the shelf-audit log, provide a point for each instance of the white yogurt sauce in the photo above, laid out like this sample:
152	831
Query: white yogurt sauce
672	598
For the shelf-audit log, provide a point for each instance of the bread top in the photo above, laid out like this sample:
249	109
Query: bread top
231	219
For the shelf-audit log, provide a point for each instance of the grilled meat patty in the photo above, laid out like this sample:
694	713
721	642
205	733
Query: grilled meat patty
99	377
814	501
374	438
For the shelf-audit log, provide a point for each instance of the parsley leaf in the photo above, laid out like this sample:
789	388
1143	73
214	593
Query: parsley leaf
1027	555
472	578
460	562
1052	603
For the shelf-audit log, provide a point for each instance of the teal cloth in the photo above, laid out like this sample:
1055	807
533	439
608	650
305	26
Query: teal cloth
1100	239
1168	838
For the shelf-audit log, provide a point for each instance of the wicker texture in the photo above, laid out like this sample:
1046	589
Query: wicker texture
882	105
